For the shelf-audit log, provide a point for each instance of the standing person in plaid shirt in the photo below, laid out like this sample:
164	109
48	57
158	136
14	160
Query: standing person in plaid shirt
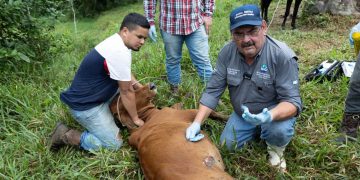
182	21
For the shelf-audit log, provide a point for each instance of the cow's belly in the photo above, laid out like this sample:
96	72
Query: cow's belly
164	145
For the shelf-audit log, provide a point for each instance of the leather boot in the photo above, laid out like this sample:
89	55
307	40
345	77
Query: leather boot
62	135
349	127
276	157
72	137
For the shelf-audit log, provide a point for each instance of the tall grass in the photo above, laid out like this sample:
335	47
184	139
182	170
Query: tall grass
30	105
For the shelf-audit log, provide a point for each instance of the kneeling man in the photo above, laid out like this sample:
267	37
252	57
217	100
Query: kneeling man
261	74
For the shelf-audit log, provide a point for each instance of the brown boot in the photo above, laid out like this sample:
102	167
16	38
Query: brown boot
56	140
62	135
72	137
349	127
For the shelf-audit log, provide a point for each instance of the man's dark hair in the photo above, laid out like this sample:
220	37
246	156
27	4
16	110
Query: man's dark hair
132	20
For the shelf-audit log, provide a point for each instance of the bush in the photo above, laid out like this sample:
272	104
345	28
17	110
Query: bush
23	36
91	8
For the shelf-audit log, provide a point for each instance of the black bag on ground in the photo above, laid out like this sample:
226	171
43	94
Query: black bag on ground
327	70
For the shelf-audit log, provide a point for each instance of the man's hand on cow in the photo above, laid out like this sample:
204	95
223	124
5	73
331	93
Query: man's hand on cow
193	132
256	119
139	122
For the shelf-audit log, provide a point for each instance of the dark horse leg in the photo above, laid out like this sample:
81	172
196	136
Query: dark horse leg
287	12
295	12
264	9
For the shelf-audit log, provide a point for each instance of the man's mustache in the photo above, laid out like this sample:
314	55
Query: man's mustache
247	44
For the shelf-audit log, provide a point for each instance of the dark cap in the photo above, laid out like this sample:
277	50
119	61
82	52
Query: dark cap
248	14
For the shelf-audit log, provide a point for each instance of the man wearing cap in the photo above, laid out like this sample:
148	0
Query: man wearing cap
261	74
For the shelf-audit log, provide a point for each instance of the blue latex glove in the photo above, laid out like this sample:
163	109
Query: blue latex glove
198	137
193	132
152	33
256	119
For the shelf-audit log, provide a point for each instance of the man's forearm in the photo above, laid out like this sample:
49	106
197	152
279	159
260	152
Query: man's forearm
202	114
128	99
283	110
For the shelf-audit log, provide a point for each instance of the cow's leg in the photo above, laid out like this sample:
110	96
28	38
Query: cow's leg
296	8
188	115
218	116
287	12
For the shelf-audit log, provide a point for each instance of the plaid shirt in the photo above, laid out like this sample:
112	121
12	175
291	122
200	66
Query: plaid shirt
180	17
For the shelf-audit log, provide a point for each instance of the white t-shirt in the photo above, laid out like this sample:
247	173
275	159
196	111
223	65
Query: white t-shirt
117	57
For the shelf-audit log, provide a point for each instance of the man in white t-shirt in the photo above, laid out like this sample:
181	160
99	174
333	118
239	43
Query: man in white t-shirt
104	71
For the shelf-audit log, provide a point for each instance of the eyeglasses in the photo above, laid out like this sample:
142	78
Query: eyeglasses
252	33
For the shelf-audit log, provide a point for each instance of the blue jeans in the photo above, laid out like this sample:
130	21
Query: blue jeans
237	132
101	130
197	44
352	102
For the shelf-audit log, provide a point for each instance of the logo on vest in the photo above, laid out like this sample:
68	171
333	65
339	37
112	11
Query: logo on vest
263	68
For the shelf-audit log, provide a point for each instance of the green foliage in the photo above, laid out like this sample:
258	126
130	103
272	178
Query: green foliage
23	35
91	8
48	8
309	18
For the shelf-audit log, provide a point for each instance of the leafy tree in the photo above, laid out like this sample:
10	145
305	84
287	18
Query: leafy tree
25	25
19	32
24	35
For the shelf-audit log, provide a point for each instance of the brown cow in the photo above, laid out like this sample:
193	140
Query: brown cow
163	151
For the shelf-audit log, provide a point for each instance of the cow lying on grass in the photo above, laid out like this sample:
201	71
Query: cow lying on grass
163	151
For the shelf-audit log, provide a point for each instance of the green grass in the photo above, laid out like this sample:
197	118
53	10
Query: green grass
30	105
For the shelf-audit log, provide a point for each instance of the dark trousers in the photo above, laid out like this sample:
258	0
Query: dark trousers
352	102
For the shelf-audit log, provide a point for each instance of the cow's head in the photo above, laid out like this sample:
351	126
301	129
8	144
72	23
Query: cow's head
144	95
